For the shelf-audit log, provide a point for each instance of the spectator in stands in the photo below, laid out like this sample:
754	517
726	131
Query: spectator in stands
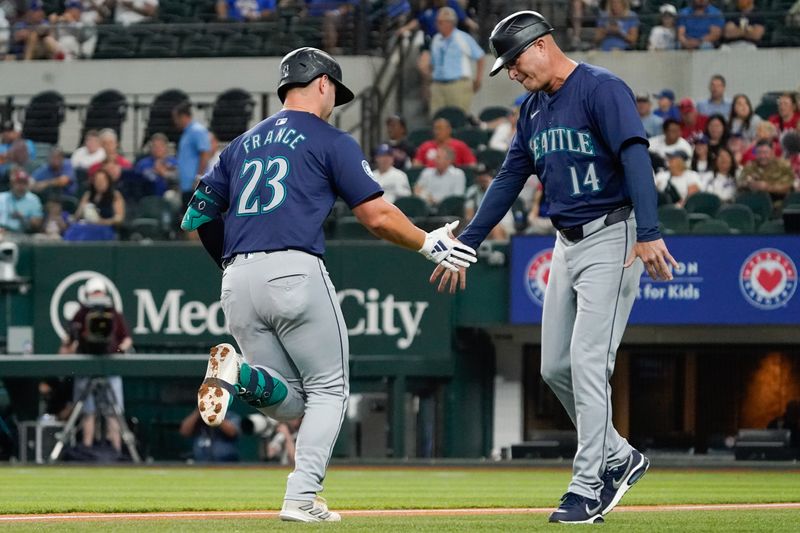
663	36
700	26
216	151
97	11
504	132
691	121
788	115
102	204
744	28
72	37
158	168
194	149
20	209
678	182
5	34
282	443
670	140
397	139
716	102
245	10
791	153
617	27
212	444
14	150
737	146
581	9
742	118
30	27
442	180
90	154
653	124
55	176
110	143
473	199
666	105
702	158
723	178
453	81
443	137
538	218
766	131
129	12
716	131
392	180
56	220
768	173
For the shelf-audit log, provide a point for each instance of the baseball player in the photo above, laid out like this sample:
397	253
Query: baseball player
259	213
579	132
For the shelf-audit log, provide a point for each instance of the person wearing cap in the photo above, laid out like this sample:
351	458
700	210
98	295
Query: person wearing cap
664	35
260	213
392	180
666	107
20	210
617	27
397	139
700	26
744	27
716	102
670	140
97	328
677	181
453	80
579	132
652	123
691	120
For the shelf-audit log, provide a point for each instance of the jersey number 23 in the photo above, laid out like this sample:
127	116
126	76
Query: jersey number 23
274	170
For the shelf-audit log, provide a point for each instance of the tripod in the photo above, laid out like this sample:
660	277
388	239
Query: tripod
104	398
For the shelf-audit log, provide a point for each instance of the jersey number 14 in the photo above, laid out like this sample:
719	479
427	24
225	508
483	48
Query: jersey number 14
274	171
590	181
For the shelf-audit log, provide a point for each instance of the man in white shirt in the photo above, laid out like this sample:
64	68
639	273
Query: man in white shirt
90	153
443	180
676	181
393	180
670	141
134	11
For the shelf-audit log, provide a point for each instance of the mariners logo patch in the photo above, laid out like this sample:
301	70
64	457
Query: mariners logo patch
537	273
285	71
768	279
367	168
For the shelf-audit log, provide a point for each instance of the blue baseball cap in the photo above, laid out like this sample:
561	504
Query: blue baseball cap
36	5
383	149
73	4
666	93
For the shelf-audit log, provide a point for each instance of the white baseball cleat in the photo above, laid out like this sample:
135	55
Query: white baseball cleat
219	386
314	511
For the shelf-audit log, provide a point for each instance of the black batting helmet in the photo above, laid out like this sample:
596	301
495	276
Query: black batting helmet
512	34
301	66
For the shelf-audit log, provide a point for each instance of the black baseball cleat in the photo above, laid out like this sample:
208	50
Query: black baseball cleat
577	509
619	479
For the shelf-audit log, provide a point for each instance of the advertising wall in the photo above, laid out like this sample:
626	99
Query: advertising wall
748	280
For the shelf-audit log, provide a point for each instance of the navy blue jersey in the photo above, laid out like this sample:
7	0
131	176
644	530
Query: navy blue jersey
280	180
572	139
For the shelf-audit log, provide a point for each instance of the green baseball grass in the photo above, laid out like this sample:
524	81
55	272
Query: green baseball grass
99	489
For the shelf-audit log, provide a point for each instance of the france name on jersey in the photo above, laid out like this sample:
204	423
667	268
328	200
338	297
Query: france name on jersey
280	180
572	140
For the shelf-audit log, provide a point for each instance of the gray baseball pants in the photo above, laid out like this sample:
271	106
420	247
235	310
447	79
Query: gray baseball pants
283	311
587	302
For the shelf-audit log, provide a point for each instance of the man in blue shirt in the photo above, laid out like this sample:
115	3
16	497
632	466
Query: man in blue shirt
20	209
194	149
700	26
56	176
14	150
579	132
159	168
244	10
716	104
452	53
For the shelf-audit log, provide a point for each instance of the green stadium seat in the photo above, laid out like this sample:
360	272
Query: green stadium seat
351	229
711	227
703	202
242	45
739	218
491	158
200	45
413	175
475	138
146	228
454	115
674	218
451	206
772	227
491	113
759	202
793	198
412	206
69	204
419	136
158	45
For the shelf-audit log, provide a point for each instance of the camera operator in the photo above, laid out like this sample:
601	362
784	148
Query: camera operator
98	329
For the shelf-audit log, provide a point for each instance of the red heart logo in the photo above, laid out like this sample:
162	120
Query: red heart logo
769	279
546	276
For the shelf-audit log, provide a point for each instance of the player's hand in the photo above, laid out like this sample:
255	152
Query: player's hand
455	280
444	249
655	256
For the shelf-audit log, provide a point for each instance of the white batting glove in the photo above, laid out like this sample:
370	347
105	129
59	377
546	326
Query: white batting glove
442	248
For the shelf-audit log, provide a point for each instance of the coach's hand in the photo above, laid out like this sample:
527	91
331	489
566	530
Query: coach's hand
455	280
442	248
655	256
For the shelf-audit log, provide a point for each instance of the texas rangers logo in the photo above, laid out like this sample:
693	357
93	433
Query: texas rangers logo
768	279
536	275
